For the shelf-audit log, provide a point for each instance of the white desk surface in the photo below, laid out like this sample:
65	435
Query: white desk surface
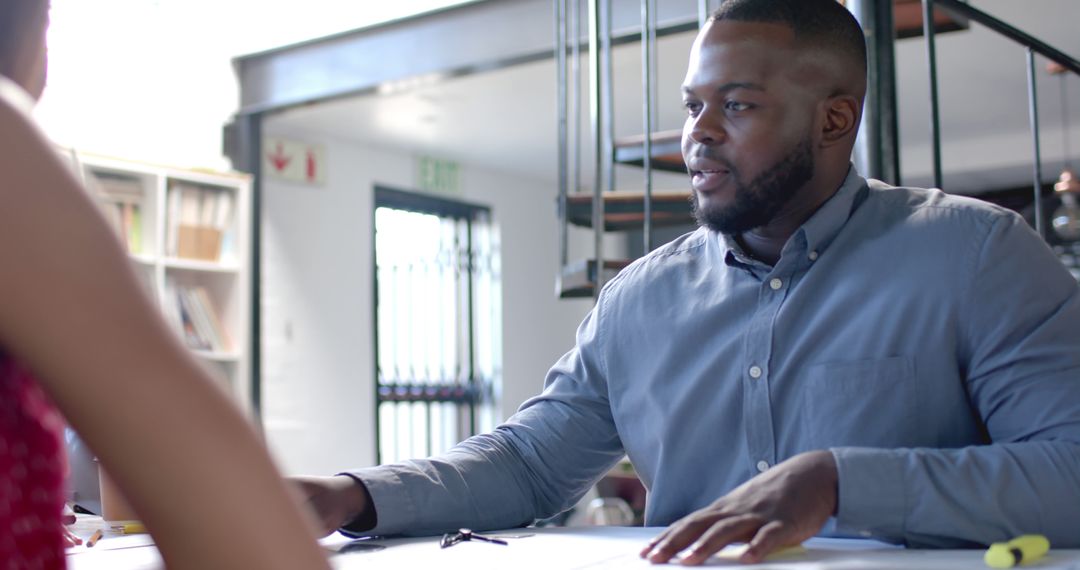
593	548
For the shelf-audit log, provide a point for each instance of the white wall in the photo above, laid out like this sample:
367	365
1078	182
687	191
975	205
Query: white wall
318	387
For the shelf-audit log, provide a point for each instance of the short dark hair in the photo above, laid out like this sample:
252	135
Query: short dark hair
19	21
823	23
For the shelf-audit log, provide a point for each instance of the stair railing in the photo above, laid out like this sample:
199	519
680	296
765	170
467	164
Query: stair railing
1032	44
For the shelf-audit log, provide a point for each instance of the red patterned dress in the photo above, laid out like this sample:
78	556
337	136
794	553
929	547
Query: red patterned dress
32	469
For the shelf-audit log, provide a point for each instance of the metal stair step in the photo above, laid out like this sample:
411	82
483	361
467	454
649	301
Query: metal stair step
578	278
666	151
626	210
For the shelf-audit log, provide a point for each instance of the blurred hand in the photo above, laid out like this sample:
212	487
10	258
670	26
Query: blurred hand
781	507
68	518
335	501
69	537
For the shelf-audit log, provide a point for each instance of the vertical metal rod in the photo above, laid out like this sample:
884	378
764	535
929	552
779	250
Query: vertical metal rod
428	445
654	19
252	134
1033	115
702	13
887	98
867	151
1065	122
474	385
596	104
647	82
609	136
935	121
575	101
561	103
375	334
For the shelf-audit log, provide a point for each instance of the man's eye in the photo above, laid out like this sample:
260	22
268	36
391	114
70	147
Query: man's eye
736	106
692	107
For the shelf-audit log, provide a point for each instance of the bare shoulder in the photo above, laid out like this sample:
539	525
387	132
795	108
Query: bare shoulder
28	160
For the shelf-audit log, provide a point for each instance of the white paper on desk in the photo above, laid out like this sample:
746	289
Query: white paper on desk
113	543
599	548
546	549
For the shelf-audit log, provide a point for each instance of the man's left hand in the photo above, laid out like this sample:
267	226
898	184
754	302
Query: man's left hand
781	507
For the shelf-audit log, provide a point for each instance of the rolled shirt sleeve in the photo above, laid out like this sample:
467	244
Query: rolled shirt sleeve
540	462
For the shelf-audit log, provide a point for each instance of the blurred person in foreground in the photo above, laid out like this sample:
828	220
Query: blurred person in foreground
80	340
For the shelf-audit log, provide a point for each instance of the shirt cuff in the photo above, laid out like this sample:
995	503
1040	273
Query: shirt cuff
872	495
367	519
392	509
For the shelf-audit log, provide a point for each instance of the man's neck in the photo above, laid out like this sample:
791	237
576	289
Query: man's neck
766	242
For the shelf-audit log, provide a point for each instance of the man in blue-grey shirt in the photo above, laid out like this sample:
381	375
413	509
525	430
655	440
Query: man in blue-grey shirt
823	352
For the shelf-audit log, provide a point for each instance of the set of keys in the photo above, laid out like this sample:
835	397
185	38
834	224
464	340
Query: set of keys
465	535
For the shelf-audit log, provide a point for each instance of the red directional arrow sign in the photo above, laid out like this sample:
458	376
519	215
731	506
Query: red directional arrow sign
294	161
278	158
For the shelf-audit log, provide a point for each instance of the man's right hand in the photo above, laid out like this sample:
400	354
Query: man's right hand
335	501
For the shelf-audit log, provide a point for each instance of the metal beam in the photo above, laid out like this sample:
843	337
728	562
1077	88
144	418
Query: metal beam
483	35
243	146
877	149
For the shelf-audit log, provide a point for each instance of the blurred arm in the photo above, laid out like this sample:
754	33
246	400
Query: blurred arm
72	311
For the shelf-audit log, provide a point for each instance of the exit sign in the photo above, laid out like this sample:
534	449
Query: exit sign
435	175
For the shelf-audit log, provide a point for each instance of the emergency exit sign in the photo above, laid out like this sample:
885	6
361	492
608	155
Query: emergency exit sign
437	176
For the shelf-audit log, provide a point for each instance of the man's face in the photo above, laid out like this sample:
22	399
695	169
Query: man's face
747	141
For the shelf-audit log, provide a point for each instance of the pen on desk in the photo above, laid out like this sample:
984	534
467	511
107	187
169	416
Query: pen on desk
94	538
1020	550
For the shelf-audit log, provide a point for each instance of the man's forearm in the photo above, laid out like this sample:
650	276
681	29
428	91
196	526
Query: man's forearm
961	497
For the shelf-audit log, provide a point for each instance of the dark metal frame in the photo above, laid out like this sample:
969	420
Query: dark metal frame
931	65
243	145
879	146
472	393
648	75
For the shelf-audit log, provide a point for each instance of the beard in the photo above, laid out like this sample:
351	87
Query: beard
758	201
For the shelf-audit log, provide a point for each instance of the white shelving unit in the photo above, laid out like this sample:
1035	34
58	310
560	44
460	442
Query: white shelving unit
187	234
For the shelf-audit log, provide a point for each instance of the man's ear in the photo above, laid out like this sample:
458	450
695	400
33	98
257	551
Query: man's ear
841	119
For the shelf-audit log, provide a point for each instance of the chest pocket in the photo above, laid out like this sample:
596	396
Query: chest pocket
863	403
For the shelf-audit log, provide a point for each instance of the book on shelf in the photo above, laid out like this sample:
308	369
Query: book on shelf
121	199
192	315
200	222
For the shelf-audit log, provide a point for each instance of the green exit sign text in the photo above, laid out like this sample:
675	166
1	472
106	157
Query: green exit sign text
435	175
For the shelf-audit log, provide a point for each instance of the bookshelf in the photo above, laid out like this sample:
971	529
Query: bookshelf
186	233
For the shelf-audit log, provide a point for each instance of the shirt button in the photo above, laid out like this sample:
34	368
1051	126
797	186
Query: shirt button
762	466
776	284
755	372
812	255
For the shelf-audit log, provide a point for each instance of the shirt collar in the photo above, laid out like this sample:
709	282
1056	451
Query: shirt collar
817	232
823	226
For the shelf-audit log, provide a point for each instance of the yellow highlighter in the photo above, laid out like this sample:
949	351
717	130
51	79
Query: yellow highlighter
131	527
1020	550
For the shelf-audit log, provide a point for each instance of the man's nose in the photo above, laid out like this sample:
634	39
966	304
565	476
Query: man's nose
705	128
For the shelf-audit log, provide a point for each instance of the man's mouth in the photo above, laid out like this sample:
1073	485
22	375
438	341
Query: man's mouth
708	180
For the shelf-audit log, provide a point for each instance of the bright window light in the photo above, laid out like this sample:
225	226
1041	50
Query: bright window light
153	80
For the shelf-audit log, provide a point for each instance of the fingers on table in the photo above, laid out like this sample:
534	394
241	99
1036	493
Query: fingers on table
677	537
693	530
719	535
701	539
652	543
769	538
